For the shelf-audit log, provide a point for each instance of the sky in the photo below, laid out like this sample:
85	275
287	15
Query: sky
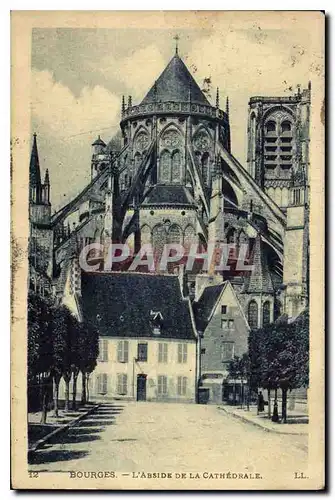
79	77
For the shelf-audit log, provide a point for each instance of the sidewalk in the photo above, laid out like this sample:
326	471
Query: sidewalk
38	433
297	423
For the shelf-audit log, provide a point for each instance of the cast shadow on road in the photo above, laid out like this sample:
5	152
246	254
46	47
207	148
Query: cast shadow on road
48	456
85	431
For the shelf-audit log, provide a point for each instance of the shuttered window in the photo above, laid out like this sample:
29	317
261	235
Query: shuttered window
181	386
102	383
162	385
122	380
227	351
162	353
122	351
103	350
182	353
142	352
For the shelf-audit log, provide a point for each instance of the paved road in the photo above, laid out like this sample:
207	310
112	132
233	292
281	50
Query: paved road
165	437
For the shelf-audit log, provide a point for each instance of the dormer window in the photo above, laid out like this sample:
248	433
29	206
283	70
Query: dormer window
156	319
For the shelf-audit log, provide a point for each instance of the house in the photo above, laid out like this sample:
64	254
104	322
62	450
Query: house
148	344
224	334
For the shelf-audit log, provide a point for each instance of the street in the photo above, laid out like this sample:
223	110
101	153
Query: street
166	437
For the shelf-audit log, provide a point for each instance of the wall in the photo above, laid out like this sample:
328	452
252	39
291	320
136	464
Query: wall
215	335
172	369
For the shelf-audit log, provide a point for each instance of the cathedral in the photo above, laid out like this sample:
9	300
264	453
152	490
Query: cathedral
170	177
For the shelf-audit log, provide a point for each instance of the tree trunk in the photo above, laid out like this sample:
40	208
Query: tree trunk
67	391
83	388
56	380
269	403
74	391
284	406
242	393
87	378
45	389
234	394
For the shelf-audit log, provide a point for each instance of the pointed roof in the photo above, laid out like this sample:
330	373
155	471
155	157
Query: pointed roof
34	167
175	84
99	142
259	280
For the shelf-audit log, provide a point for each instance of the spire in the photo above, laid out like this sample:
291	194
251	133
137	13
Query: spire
260	280
217	97
227	106
130	102
176	38
123	106
46	178
34	167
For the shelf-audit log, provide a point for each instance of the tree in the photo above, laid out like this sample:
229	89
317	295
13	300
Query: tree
61	346
279	357
40	346
88	354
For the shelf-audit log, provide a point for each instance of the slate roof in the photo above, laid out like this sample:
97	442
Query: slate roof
120	305
168	195
175	84
204	306
259	279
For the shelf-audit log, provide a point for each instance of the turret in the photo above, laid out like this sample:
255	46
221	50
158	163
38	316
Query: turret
100	157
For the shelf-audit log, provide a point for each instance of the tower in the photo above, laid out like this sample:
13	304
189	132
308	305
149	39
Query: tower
41	234
296	247
100	158
278	137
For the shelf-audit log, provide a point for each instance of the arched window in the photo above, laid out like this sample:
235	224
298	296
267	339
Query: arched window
286	126
270	127
266	313
137	160
158	240
176	167
165	167
204	167
174	234
253	314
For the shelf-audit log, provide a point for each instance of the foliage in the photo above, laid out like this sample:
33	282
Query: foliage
279	355
58	345
39	335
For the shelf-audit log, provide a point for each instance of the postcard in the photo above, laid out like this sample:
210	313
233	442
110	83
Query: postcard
168	250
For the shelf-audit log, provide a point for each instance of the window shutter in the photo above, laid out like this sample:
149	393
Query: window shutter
126	349
179	386
119	351
185	354
184	386
180	353
105	350
104	383
165	353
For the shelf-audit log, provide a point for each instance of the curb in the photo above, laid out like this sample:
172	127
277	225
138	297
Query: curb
259	425
62	428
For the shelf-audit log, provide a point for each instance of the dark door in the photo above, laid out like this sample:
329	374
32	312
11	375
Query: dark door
141	387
